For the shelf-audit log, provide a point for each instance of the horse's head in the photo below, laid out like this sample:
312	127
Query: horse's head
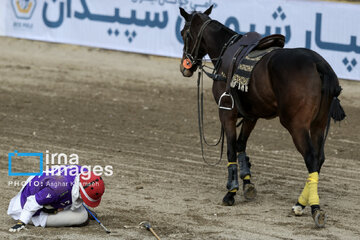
194	49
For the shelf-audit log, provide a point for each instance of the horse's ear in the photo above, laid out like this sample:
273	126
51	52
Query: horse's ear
208	11
184	14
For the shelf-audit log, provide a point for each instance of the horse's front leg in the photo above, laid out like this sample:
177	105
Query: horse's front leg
228	121
249	189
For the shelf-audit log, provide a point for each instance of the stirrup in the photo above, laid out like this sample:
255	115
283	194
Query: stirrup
232	101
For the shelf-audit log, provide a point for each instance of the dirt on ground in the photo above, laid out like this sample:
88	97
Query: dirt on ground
139	115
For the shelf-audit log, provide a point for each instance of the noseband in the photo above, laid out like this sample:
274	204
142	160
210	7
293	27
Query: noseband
191	59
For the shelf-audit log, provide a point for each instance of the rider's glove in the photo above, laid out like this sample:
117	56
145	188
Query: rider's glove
18	227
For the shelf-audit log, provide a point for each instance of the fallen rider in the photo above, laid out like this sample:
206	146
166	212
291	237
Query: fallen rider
56	199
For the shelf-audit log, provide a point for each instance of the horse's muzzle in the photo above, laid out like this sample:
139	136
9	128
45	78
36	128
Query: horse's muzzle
185	72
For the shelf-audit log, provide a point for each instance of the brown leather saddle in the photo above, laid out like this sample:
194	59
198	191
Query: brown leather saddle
236	52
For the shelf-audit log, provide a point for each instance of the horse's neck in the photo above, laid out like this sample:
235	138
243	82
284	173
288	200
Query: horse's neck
215	41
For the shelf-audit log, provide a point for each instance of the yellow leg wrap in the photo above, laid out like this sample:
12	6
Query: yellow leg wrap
230	163
247	177
304	197
234	190
312	183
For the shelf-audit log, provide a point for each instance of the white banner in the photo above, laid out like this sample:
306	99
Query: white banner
2	18
153	26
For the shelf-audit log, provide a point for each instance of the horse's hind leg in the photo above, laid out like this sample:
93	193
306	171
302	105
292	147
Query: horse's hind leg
317	131
309	195
249	190
317	135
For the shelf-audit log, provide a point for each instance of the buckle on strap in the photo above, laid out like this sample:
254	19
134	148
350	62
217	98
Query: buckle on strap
225	94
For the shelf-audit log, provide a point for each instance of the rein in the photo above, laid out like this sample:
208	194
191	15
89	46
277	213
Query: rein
188	63
200	104
215	73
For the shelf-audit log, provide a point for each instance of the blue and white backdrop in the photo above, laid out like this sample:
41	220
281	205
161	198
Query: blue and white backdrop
153	26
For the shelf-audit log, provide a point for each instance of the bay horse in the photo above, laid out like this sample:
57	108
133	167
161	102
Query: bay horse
297	85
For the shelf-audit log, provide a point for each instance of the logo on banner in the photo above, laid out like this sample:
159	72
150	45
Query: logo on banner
128	34
279	13
349	64
23	9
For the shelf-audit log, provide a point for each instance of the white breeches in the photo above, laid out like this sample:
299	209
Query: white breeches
67	218
64	218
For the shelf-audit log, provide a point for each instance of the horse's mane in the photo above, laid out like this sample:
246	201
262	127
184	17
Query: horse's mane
218	24
222	26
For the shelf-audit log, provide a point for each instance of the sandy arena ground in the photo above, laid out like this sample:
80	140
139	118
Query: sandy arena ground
138	114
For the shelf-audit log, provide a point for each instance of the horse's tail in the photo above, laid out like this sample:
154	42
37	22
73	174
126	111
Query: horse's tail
330	91
336	111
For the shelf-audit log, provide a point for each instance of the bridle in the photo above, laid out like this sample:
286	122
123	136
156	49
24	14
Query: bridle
191	58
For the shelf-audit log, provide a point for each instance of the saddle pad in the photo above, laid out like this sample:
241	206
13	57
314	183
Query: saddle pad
241	77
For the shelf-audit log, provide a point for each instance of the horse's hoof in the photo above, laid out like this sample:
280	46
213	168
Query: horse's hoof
297	210
249	192
320	218
229	199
